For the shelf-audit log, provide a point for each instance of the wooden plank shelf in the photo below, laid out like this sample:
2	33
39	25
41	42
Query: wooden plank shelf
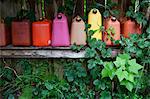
43	52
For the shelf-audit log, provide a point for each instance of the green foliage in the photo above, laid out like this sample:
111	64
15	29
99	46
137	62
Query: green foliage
125	68
99	75
68	7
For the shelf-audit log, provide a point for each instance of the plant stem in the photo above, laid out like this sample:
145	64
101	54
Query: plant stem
112	88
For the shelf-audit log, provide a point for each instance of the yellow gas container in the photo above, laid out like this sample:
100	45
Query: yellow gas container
95	20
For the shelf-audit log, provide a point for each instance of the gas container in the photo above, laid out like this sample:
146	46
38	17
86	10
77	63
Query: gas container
60	32
130	27
78	34
41	33
114	25
5	36
21	33
95	20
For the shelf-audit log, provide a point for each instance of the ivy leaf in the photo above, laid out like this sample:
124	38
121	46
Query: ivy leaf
128	13
134	67
70	78
130	77
147	44
90	53
120	62
125	56
91	64
129	85
141	43
119	74
104	73
45	93
105	95
99	84
48	85
106	14
148	30
108	71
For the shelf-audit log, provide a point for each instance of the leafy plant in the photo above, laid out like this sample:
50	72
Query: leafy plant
125	68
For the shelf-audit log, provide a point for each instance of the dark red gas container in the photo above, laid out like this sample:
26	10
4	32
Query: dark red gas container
5	37
41	33
113	25
21	33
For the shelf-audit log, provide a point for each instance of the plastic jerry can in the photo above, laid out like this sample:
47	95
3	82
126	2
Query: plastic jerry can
21	33
95	20
78	34
130	27
114	25
60	32
5	36
41	33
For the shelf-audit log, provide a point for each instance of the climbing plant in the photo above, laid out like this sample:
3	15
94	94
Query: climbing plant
101	75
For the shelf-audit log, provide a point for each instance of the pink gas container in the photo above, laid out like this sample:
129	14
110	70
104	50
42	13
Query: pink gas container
60	32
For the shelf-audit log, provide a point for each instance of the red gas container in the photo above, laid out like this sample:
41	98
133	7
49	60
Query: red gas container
115	25
41	33
130	27
21	33
5	37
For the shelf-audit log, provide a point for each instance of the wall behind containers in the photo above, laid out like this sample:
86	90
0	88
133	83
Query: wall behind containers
9	8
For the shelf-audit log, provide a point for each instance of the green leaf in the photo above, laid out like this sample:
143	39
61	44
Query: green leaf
104	73
130	77
99	84
90	53
48	85
11	96
120	62
119	74
44	93
148	30
141	43
129	85
125	56
134	67
108	71
147	44
91	64
106	14
105	95
70	78
26	93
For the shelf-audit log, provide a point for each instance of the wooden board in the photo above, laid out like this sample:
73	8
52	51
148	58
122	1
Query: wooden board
31	52
43	52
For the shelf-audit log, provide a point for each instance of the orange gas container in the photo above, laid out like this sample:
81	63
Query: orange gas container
41	33
130	27
4	35
115	25
21	33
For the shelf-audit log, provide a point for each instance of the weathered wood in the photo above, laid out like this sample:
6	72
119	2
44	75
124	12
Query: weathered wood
39	53
44	52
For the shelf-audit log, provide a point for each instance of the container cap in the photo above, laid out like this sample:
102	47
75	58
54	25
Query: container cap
113	18
59	16
78	19
94	11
